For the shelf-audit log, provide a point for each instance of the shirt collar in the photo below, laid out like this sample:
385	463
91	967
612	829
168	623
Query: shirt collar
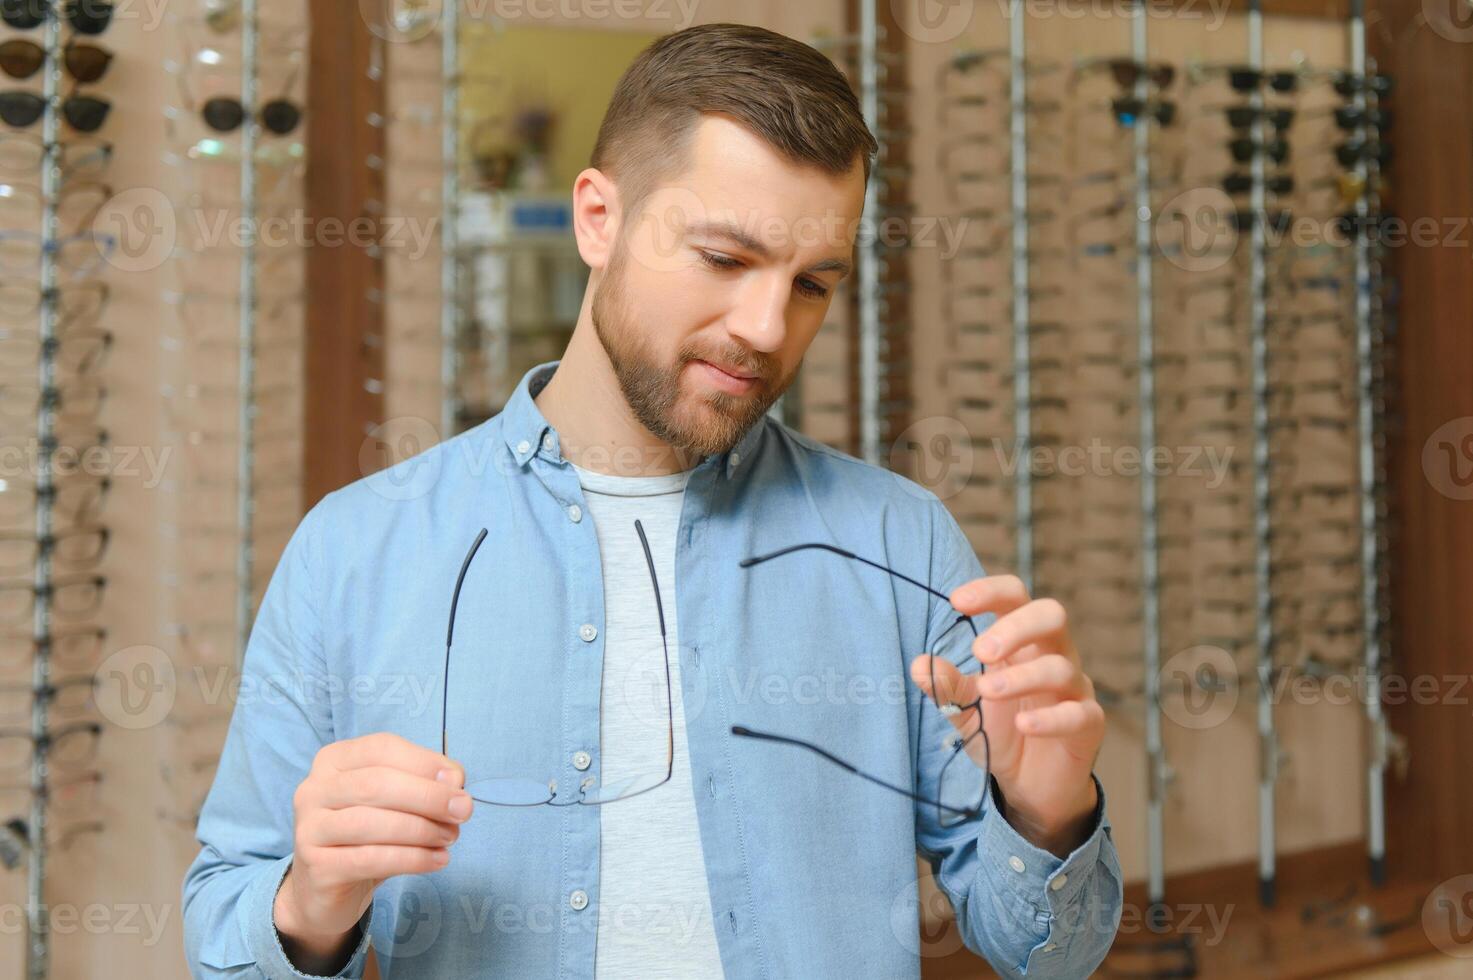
528	433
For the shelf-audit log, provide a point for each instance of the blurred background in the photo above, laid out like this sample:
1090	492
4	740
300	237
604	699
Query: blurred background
1170	301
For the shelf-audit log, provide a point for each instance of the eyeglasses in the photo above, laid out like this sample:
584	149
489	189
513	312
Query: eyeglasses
24	152
83	113
1126	72
524	791
951	786
21	58
75	647
84	16
67	745
224	114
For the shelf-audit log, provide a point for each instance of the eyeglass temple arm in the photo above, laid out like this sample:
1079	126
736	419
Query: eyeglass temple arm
660	609
450	634
756	559
750	733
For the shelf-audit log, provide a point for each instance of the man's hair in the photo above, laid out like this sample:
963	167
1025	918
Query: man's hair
786	92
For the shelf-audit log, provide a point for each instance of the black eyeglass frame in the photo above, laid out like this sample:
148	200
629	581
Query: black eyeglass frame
957	742
584	785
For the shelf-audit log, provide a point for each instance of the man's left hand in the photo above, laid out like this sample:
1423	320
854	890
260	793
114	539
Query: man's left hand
1038	709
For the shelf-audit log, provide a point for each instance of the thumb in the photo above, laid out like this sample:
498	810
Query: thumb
952	689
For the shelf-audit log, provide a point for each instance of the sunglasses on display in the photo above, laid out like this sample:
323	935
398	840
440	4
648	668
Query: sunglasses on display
1243	116
84	16
84	113
1127	72
225	114
21	58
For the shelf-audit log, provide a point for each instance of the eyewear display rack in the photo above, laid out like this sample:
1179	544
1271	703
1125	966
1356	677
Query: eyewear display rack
38	937
874	59
1366	320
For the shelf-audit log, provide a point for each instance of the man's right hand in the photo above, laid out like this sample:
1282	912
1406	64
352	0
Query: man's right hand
370	808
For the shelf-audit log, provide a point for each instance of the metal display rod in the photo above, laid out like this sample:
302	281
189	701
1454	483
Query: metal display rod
246	450
38	939
450	218
1366	294
1156	767
1022	356
1268	743
869	259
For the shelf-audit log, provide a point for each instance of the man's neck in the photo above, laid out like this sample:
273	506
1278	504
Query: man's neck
595	426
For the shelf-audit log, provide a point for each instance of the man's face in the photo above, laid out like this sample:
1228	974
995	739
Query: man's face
733	263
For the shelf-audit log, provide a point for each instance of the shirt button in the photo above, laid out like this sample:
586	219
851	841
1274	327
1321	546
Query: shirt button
547	442
588	632
523	446
578	900
575	513
736	459
1016	863
581	760
1058	882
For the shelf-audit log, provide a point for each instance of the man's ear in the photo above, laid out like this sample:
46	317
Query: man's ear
595	216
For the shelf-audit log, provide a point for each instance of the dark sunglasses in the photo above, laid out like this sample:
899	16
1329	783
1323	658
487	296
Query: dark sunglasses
21	58
83	113
84	16
1127	72
1348	84
1243	116
1244	149
1354	151
1241	183
1129	110
1244	79
225	114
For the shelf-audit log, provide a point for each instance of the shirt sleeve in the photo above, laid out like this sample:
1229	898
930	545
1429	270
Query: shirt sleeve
1028	911
281	718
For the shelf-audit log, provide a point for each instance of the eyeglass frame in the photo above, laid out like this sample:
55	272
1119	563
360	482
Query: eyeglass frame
584	784
957	743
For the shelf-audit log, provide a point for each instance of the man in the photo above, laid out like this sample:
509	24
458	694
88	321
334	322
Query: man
606	772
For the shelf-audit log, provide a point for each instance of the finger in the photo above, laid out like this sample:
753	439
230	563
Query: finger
371	825
370	862
1067	718
993	593
1042	622
1051	673
386	749
394	789
952	687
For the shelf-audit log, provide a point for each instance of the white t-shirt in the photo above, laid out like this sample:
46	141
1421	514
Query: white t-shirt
654	905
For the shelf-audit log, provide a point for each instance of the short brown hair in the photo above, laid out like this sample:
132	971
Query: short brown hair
786	92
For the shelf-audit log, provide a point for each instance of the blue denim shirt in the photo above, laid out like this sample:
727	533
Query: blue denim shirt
811	870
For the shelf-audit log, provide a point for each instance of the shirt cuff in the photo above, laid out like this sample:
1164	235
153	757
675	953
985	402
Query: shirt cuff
264	942
1031	874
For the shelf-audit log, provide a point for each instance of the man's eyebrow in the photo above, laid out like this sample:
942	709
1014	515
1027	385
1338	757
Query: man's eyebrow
734	234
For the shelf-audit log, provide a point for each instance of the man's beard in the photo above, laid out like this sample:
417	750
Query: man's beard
708	422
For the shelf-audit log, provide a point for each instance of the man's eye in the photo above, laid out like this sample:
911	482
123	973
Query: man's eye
723	262
810	288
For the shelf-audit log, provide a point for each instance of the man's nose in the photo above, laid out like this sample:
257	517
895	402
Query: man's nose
761	317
